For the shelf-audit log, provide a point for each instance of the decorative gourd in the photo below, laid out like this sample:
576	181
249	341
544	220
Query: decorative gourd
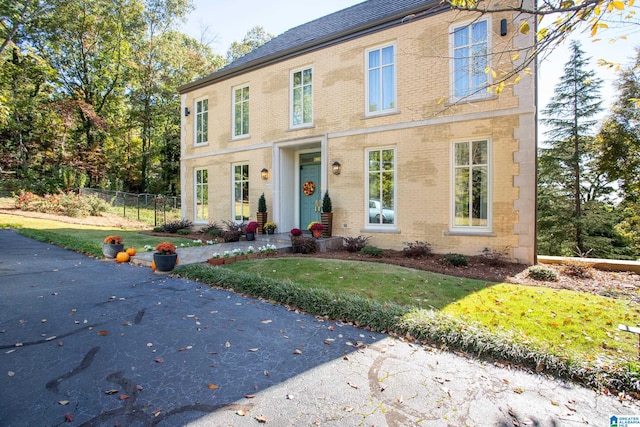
153	265
131	251
122	257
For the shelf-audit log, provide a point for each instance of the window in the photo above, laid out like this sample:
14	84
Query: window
201	191
470	59
381	186
381	80
302	97
241	111
202	121
241	193
471	185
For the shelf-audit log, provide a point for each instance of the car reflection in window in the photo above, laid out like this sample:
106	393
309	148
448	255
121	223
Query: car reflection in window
378	212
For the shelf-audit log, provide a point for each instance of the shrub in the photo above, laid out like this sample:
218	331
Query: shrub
578	270
67	204
303	245
262	204
355	244
538	272
210	227
183	231
174	226
371	251
416	249
456	260
493	257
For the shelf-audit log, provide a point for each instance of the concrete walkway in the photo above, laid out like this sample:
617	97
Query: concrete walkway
85	342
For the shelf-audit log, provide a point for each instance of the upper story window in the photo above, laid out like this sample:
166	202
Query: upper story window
381	184
471	185
302	97
202	122
241	111
470	45
380	79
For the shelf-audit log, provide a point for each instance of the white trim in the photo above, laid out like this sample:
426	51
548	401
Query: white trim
481	94
470	229
233	111
183	164
300	70
381	227
197	220
195	122
233	189
379	112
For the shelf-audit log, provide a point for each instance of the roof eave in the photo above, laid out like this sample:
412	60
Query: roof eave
429	9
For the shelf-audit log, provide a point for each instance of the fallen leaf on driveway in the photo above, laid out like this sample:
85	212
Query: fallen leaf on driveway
157	412
249	396
63	402
347	409
103	333
350	384
261	419
241	412
111	391
213	386
227	344
253	350
297	351
159	360
267	321
11	373
123	397
68	417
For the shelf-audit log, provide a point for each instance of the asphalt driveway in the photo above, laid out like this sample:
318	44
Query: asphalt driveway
91	342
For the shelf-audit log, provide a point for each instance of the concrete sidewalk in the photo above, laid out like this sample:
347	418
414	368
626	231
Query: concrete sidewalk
84	342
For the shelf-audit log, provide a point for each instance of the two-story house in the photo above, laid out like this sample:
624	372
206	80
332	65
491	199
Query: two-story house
385	105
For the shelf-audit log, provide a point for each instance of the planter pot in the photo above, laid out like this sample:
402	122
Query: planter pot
270	231
165	262
252	256
229	260
261	220
215	261
110	250
326	218
241	257
250	236
316	233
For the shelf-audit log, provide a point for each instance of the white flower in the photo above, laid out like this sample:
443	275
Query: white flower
250	250
215	255
209	242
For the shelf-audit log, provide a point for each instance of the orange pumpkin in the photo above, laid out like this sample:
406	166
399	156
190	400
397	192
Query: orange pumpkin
153	265
122	257
131	251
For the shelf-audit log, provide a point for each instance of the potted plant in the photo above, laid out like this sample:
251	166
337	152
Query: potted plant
251	253
111	246
262	213
250	230
315	228
326	216
295	232
228	257
270	227
215	259
165	257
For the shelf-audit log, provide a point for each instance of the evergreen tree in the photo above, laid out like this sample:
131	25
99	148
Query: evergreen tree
568	178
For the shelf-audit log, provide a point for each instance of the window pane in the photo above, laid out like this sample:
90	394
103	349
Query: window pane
479	31
388	95
307	104
238	120
381	187
374	90
297	79
479	152
374	161
462	197
245	119
387	55
307	76
462	153
374	59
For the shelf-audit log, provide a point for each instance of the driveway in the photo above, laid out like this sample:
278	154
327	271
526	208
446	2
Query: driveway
88	342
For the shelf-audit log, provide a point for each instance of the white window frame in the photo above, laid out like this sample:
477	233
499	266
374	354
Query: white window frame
198	116
381	226
200	216
233	190
489	165
475	93
394	107
291	98
233	112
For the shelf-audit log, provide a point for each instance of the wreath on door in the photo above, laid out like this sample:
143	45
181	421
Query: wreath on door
308	188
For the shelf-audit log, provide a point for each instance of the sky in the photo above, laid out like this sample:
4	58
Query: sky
229	21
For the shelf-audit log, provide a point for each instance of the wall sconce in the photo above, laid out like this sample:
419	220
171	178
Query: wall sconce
186	111
503	27
265	173
337	167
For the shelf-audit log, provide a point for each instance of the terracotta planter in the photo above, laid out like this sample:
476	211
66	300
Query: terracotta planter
241	257
229	260
110	250
165	262
252	256
316	233
215	261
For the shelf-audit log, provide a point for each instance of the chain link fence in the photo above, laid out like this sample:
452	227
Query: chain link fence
153	209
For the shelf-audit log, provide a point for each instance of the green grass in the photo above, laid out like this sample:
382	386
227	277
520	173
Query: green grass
563	322
146	215
82	238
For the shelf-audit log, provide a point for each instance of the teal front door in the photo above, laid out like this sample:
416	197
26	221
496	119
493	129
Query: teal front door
310	191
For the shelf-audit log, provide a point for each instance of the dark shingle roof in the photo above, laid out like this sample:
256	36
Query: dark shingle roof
329	29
